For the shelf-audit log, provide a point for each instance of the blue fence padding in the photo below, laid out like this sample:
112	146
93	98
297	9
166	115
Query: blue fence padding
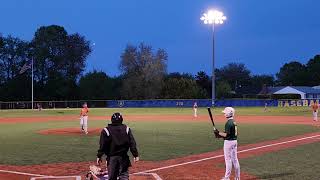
245	103
188	103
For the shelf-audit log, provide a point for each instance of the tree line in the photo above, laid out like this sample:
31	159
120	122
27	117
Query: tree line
60	59
297	74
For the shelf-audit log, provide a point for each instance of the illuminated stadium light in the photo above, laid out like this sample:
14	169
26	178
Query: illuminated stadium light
213	17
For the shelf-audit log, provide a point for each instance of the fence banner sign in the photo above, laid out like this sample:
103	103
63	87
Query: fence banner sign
299	102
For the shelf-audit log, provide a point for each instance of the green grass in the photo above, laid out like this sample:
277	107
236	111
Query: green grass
296	163
158	140
283	111
21	145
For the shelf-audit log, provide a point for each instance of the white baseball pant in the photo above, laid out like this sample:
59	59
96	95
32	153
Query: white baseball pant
315	115
195	112
231	158
84	123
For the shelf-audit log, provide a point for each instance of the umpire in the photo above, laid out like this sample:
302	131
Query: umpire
115	141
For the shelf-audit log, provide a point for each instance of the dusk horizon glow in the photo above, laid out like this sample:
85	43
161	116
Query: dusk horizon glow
263	36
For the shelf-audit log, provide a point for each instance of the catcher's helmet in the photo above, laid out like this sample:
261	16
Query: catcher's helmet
116	118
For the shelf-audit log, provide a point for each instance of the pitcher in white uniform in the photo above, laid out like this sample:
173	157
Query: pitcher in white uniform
230	144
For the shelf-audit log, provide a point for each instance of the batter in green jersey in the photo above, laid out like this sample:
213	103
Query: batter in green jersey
231	130
230	144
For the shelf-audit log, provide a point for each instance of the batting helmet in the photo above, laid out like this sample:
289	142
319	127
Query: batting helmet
116	118
228	112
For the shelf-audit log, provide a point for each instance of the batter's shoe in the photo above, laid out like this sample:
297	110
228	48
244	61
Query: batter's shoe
225	178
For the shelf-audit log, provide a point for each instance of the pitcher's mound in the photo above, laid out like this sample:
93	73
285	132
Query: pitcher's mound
70	131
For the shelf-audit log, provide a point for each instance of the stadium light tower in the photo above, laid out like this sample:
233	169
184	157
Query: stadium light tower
213	17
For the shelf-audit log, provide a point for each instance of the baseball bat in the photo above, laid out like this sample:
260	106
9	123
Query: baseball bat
211	118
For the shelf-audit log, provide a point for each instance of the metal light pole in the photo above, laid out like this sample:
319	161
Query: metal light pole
213	91
32	83
213	17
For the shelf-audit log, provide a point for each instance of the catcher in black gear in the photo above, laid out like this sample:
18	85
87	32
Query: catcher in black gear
115	141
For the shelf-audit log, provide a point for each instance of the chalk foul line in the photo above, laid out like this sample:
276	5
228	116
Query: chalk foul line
219	156
22	173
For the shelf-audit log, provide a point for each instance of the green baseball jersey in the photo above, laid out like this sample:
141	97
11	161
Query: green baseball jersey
231	129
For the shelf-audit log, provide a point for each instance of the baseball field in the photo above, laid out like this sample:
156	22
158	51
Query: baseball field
280	143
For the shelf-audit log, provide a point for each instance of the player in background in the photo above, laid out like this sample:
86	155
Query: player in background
195	109
39	106
230	144
315	108
265	107
84	118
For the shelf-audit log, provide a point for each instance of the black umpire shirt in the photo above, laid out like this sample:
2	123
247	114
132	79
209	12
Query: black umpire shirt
116	140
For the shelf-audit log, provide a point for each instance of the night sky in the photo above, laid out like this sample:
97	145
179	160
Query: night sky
262	34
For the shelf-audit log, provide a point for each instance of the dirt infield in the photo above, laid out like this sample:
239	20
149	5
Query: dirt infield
164	118
171	118
14	176
70	131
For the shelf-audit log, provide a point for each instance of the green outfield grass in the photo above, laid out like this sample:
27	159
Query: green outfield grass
21	145
281	111
296	163
159	140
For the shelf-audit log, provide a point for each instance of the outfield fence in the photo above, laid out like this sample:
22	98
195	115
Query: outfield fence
190	102
157	103
52	104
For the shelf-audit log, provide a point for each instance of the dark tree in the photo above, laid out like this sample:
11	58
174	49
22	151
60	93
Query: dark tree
293	74
223	89
2	69
180	75
236	75
59	60
98	86
182	88
204	81
143	71
313	71
1	41
257	82
13	55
